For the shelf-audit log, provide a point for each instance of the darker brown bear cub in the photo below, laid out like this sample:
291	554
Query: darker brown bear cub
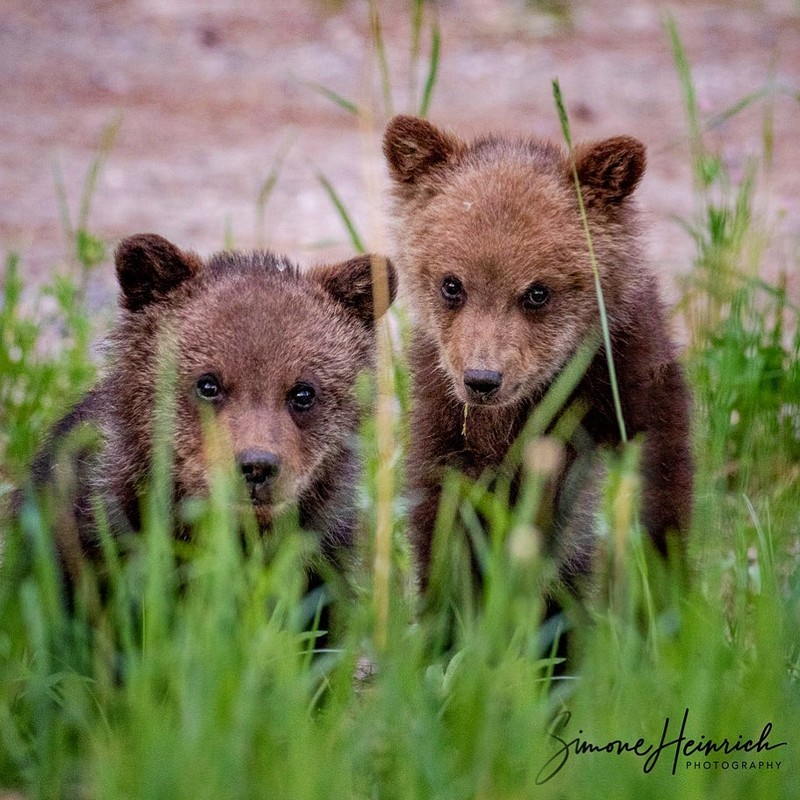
270	352
492	255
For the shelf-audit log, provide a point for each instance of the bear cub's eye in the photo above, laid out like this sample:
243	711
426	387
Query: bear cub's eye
208	387
536	296
301	397
452	291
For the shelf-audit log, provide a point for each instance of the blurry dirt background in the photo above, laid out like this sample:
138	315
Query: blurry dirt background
210	93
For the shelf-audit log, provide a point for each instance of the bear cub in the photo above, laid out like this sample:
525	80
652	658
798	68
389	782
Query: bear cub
491	253
270	352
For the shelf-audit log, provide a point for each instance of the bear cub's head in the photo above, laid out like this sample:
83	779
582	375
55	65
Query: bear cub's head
492	253
267	354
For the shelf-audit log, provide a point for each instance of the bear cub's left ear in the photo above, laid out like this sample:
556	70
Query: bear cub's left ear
350	283
149	268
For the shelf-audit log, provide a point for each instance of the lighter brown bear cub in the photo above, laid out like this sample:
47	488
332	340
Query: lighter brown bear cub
492	255
269	352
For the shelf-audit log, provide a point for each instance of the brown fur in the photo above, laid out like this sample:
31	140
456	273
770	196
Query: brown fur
261	326
501	216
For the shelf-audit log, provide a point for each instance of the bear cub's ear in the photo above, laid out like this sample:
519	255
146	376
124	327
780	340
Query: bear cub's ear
350	283
413	146
149	268
611	169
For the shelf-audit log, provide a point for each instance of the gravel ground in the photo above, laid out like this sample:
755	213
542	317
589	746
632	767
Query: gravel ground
209	93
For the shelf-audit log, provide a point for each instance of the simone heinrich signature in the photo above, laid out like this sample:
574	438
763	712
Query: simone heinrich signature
685	750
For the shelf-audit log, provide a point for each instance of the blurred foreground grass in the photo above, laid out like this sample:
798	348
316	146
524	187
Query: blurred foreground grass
196	677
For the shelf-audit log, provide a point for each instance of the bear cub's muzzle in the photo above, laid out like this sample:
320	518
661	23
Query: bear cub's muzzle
482	385
260	470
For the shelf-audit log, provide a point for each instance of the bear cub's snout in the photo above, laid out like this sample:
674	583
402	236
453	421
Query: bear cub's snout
260	470
482	384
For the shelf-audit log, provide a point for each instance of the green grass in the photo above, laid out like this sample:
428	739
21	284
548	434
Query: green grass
195	676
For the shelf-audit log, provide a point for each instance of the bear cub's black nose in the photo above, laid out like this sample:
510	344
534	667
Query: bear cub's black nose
482	382
259	467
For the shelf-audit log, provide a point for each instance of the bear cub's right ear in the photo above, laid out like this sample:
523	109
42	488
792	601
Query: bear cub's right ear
149	268
413	147
350	283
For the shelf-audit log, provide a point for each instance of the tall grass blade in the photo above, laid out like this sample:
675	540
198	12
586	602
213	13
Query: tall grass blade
334	97
158	506
433	70
107	139
63	202
228	236
612	373
557	395
699	167
268	187
341	209
417	18
729	113
85	249
768	123
376	30
385	475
